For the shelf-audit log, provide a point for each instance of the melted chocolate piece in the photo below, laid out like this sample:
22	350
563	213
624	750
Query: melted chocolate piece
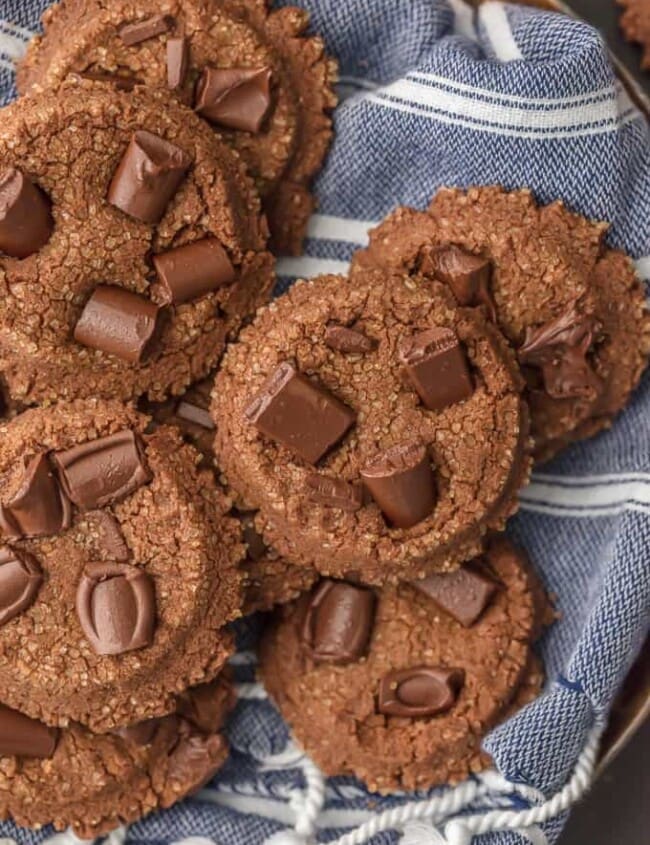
338	622
148	176
136	33
121	82
118	322
401	482
20	581
103	471
140	734
116	606
25	220
237	98
436	366
559	348
21	736
420	691
39	507
334	492
178	58
194	270
302	415
463	594
195	414
195	760
347	340
467	275
204	705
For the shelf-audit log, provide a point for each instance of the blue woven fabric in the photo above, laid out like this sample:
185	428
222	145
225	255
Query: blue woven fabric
519	98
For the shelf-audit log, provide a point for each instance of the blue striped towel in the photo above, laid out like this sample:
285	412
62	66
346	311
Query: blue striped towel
433	96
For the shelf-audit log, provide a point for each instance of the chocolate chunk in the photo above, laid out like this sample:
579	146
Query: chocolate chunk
338	622
191	271
256	547
178	57
204	705
420	691
436	366
467	275
39	507
195	760
334	492
121	82
21	736
20	581
116	607
463	594
238	98
140	734
118	322
111	540
103	471
147	177
401	481
559	348
348	340
25	220
300	414
194	414
136	33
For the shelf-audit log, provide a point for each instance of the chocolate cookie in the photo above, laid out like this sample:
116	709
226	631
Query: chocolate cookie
94	783
575	310
131	243
398	686
251	72
269	579
119	568
377	426
635	23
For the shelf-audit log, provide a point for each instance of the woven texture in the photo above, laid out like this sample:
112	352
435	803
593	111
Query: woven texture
431	97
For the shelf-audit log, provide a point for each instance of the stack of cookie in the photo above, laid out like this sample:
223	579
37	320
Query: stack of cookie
177	453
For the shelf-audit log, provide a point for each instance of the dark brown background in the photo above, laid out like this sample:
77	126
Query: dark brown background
617	811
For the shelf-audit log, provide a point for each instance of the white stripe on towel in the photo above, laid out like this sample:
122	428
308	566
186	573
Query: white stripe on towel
495	22
305	267
325	227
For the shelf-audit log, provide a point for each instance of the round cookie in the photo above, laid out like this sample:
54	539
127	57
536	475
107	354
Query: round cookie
388	686
323	390
269	579
119	569
95	783
102	303
269	87
635	23
573	309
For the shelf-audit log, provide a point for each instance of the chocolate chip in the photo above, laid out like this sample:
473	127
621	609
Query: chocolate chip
178	57
467	275
559	348
401	482
25	220
238	98
338	622
147	177
39	507
194	270
136	33
420	691
195	760
103	471
21	736
347	340
20	581
111	540
116	607
118	322
463	594
121	82
334	492
204	705
302	415
436	366
140	734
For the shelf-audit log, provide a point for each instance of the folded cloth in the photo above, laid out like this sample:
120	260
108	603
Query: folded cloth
433	95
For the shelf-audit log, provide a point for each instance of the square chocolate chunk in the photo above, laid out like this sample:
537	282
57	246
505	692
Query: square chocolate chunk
436	366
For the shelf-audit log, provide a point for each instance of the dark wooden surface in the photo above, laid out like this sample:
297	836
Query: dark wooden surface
617	811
